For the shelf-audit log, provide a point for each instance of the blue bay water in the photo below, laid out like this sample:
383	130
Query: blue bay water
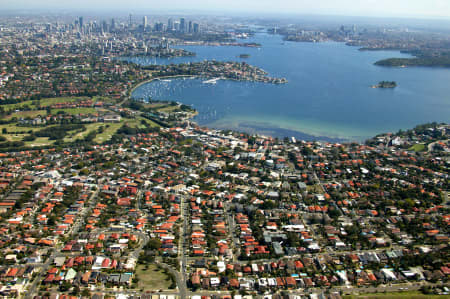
328	93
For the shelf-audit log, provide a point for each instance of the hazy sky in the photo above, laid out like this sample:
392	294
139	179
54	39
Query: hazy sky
424	8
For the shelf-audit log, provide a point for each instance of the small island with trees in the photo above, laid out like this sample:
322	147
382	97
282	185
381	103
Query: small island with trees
244	56
385	84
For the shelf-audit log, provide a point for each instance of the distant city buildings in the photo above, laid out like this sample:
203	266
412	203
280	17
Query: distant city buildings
159	27
180	26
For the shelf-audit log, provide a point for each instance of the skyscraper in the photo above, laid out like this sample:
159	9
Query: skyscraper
80	22
182	25
170	24
113	24
144	22
196	28
159	27
190	27
104	27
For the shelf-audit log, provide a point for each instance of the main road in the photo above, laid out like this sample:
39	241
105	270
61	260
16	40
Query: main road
182	249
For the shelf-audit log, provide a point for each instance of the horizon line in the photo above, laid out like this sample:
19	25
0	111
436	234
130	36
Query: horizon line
230	13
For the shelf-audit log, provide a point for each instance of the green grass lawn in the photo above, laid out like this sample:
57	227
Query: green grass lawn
13	128
75	111
154	105
147	121
39	141
418	147
103	99
396	295
52	101
71	136
25	114
169	109
18	105
137	123
43	102
152	279
15	137
110	129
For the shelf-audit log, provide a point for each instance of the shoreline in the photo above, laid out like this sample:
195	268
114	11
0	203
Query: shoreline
158	78
251	128
280	132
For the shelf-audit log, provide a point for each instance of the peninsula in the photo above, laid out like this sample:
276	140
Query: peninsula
442	61
239	71
428	48
159	52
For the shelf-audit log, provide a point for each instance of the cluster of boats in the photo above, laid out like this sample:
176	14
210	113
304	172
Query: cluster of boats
210	81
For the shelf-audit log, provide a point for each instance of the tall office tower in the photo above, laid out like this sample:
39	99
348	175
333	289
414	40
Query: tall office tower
190	27
104	26
129	20
113	24
144	22
182	25
159	27
170	24
196	28
80	22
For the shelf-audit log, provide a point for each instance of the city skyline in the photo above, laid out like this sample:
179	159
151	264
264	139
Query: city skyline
380	8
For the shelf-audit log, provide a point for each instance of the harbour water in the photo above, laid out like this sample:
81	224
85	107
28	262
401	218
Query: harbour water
328	96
